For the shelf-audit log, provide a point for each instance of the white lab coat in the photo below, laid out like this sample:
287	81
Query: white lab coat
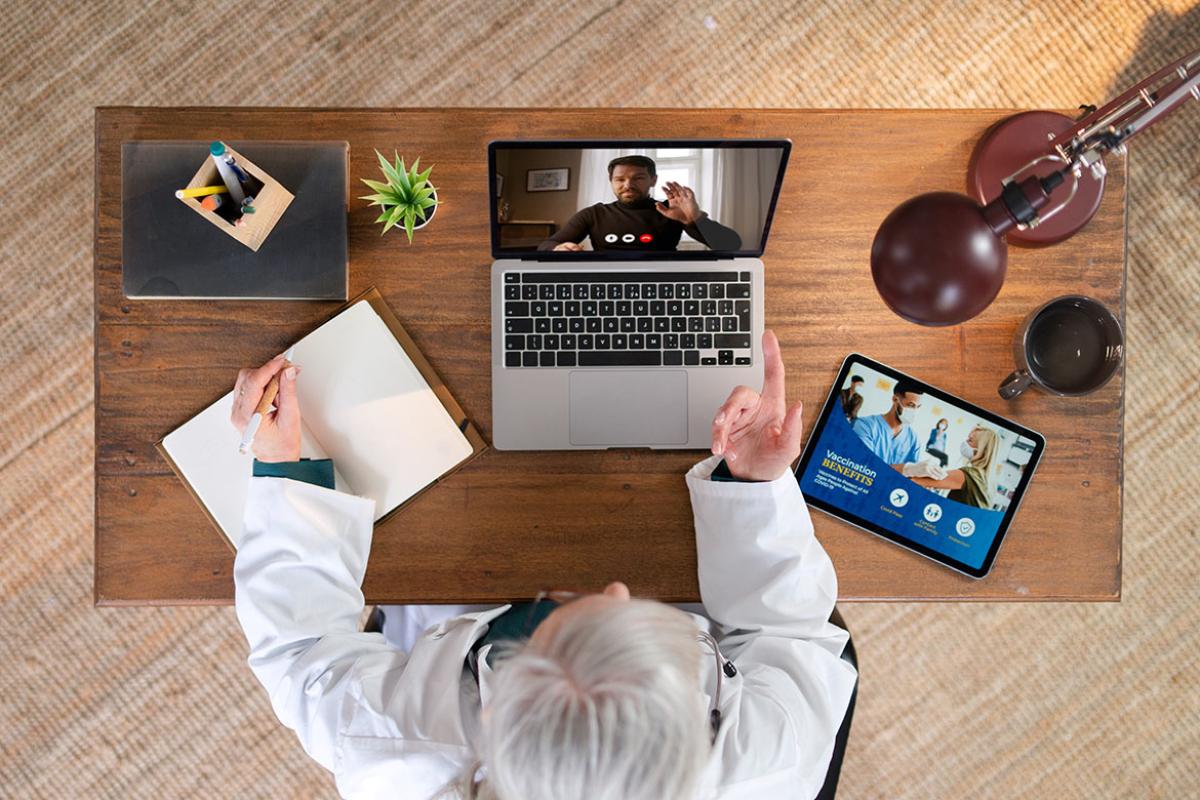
391	724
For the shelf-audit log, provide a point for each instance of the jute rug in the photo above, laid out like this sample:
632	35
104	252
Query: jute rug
957	701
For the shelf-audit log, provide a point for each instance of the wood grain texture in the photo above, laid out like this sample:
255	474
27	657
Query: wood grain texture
510	524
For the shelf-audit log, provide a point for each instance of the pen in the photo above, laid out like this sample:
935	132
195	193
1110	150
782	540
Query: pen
224	162
242	175
201	191
265	403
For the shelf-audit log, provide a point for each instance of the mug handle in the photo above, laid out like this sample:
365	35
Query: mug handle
1015	383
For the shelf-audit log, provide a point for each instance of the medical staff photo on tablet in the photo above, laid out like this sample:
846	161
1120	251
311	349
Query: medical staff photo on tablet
902	459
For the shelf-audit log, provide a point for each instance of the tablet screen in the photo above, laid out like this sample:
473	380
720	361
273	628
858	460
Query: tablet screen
902	459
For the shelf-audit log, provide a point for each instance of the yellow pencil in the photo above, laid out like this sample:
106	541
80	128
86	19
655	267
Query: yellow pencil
201	191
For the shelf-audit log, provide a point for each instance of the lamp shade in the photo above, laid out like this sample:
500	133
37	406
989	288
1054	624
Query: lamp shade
936	260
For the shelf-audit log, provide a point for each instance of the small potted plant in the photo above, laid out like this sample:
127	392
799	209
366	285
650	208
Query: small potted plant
407	198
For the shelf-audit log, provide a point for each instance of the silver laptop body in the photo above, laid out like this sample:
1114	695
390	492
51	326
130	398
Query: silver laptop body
599	407
641	395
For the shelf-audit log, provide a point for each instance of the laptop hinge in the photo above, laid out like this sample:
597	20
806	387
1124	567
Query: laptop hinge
699	256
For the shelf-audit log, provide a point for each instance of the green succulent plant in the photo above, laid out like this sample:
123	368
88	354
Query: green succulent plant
405	196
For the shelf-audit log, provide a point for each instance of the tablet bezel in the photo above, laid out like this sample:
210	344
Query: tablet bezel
814	436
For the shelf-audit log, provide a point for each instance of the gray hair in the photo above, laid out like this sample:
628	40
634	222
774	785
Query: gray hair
609	708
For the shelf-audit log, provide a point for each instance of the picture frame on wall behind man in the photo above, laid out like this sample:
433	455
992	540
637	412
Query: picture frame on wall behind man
557	179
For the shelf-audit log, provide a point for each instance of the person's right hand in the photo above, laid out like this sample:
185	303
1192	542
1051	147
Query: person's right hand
278	435
757	433
570	247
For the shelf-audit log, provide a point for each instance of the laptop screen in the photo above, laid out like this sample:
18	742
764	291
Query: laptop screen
631	200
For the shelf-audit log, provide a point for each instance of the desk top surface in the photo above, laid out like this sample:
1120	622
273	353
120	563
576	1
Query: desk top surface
511	524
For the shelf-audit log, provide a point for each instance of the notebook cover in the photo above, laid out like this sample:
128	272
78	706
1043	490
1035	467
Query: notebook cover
169	251
440	390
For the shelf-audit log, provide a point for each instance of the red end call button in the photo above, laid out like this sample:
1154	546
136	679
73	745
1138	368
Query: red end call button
645	238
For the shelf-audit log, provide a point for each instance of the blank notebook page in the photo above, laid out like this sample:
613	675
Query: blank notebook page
363	404
369	407
205	449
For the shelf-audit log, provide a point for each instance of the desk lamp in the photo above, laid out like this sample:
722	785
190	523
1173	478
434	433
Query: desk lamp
939	258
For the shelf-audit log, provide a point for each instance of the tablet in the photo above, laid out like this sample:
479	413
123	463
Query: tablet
916	465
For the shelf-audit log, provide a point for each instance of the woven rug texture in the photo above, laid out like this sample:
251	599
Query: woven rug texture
957	700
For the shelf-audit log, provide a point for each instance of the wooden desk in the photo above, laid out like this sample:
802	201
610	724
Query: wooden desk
513	523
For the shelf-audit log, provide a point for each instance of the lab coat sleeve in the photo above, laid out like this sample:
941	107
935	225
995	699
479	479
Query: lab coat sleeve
767	581
297	576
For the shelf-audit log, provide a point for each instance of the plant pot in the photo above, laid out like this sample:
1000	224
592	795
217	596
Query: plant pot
421	223
429	212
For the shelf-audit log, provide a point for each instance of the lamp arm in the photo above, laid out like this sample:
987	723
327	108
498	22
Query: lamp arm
1190	88
1117	111
1106	129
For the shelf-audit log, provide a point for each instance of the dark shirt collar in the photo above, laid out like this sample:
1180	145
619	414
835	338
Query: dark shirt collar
640	205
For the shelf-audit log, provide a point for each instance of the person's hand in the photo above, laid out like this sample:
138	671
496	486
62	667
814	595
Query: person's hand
570	247
923	469
757	433
683	209
278	436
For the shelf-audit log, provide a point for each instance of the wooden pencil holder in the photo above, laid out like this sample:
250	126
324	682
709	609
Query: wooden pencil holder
269	203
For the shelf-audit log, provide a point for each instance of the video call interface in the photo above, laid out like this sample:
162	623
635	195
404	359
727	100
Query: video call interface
916	465
626	201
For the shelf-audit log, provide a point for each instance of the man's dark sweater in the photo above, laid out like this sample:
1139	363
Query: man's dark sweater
604	221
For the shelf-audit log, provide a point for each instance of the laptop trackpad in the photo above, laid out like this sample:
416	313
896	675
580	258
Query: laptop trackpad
633	408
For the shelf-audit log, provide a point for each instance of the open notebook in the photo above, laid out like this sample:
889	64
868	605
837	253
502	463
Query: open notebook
368	400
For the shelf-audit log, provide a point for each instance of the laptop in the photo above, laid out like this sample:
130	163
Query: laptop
627	290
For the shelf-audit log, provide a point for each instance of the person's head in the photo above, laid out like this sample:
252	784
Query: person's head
856	383
982	444
632	178
603	701
943	424
906	396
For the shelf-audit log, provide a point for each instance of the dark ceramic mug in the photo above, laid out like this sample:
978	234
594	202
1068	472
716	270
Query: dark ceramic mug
1070	346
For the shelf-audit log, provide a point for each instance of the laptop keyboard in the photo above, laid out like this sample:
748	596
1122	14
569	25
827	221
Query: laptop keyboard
627	319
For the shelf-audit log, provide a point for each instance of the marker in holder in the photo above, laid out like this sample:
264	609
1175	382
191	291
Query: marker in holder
252	209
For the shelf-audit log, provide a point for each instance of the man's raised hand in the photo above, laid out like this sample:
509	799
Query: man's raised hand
683	209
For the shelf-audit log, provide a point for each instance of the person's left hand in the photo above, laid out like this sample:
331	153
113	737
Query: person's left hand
683	209
923	469
757	433
278	435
